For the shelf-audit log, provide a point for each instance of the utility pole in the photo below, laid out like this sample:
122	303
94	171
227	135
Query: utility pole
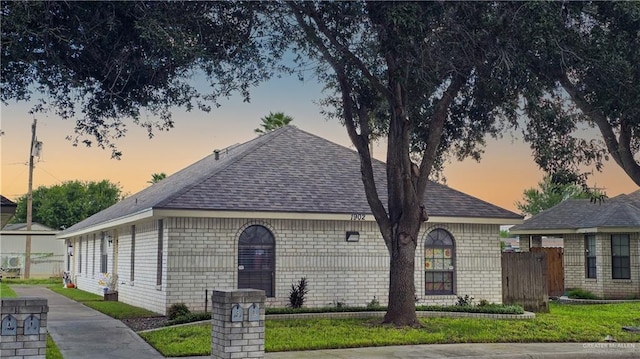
27	250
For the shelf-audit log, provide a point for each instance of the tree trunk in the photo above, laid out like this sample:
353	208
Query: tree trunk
401	310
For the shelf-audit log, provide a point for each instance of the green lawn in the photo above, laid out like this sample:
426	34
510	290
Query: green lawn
52	349
119	310
6	291
77	294
565	323
116	310
188	340
34	281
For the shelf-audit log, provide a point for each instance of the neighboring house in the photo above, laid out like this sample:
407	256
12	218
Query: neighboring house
265	213
7	210
601	243
47	252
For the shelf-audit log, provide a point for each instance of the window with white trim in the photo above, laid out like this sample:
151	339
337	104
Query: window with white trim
620	259
439	260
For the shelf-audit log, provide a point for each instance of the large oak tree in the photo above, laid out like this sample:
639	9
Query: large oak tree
426	75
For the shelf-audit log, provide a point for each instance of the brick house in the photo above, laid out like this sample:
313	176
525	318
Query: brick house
601	243
267	212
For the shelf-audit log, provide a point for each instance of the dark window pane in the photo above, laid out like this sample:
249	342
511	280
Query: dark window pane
620	261
256	259
590	255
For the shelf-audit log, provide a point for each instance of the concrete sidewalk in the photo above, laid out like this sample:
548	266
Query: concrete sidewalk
83	333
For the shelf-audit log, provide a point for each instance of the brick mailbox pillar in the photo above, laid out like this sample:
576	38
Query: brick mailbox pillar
23	332
237	323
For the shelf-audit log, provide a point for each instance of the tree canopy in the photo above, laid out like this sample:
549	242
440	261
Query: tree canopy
157	177
273	121
61	206
581	61
550	193
104	63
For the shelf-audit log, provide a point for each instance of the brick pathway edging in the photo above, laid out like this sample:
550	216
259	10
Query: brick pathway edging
421	314
567	300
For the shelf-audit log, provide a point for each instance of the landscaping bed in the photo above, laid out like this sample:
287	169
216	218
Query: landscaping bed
141	324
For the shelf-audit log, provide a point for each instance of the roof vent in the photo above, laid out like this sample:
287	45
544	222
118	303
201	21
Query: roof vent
216	154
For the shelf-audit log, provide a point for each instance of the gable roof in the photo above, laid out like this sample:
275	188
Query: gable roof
23	227
6	202
582	215
287	170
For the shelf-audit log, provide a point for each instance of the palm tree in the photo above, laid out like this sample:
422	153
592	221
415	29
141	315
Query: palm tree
273	121
157	177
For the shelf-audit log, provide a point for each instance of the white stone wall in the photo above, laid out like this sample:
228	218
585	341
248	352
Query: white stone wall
603	285
201	254
142	291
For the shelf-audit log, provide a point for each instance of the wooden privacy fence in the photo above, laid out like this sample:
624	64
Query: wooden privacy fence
524	280
555	269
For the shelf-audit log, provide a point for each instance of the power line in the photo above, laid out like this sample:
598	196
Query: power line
49	173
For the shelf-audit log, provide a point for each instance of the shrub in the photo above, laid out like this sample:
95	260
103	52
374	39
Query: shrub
465	301
579	293
177	310
483	303
189	318
491	308
374	303
297	293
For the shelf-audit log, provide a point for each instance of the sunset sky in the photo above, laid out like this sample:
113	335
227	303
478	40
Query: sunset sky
506	169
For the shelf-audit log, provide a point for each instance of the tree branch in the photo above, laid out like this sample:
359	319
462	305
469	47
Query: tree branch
436	127
360	141
620	150
312	13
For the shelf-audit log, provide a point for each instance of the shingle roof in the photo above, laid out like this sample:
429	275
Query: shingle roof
5	202
620	211
287	170
23	227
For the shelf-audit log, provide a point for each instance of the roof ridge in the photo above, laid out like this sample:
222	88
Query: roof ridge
246	149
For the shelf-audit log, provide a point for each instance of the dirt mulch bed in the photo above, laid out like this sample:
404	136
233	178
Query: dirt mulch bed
138	324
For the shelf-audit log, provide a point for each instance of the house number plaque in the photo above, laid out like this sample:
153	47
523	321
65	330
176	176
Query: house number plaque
31	325
254	312
236	313
9	325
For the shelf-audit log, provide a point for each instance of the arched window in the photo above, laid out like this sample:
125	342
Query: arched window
439	260
256	259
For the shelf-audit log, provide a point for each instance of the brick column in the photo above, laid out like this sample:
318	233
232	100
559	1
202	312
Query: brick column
237	323
24	328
